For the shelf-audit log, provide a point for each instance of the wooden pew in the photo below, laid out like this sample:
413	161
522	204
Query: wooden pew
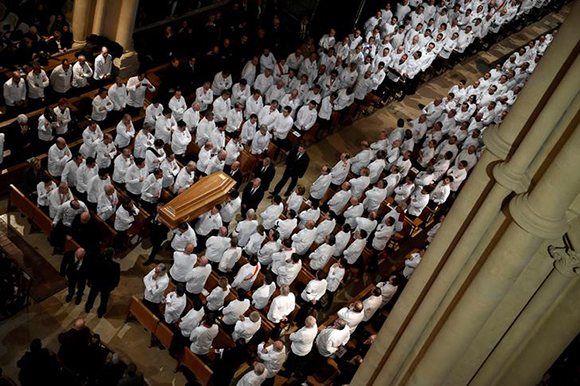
192	362
328	322
143	315
34	214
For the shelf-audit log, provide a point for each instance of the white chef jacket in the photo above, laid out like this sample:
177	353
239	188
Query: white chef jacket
389	291
57	159
324	229
320	186
208	222
383	234
182	264
101	107
43	192
418	202
286	227
351	317
181	239
288	273
203	97
196	279
103	66
273	360
249	131
337	203
180	140
320	257
151	187
281	306
308	215
234	119
152	113
124	219
231	312
221	84
84	174
56	199
254	243
315	290
107	205
177	107
440	193
335	275
174	307
81	74
371	305
244	230
204	129
36	84
373	198
253	106
62	120
233	150
90	141
271	214
164	127
67	214
136	95
239	95
153	160
154	288
133	177
268	117
229	259
245	329
342	239
330	339
118	96
184	180
262	295
143	141
358	185
124	135
190	321
69	173
302	240
122	164
303	340
170	169
246	276
191	118
411	264
263	83
215	300
294	202
351	214
202	338
61	79
45	129
354	250
105	154
260	142
265	253
230	208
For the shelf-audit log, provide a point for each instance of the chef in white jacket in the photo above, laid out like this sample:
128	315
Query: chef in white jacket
302	342
388	289
353	314
411	262
246	327
319	188
57	197
137	86
156	282
183	262
315	289
175	304
92	135
183	235
246	228
321	255
192	319
383	234
185	178
282	306
273	357
272	213
107	203
332	338
247	274
235	308
338	201
203	335
216	298
372	304
288	272
58	156
102	105
355	249
197	277
254	377
302	240
125	132
261	296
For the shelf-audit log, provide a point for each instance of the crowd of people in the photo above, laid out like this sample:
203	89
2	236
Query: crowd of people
417	167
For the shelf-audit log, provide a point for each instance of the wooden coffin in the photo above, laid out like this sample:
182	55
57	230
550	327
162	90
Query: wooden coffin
196	200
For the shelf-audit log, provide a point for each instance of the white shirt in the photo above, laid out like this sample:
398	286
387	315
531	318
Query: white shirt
90	141
321	256
281	306
203	97
124	219
354	250
151	189
107	205
288	272
36	84
154	288
66	213
286	227
351	317
208	222
303	339
124	134
302	240
330	339
181	239
190	321
182	264
202	338
103	66
234	309
315	290
215	300
101	106
335	275
229	259
136	91
283	125
184	180
174	307
81	74
246	276
271	214
262	295
118	94
61	79
245	329
180	140
229	209
320	186
324	229
273	360
196	279
62	120
57	159
383	234
337	203
244	230
105	154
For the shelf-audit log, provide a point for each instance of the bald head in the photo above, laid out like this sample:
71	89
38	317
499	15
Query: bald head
60	142
189	248
79	324
284	290
310	224
358	306
278	345
255	316
109	189
202	261
85	217
310	321
80	253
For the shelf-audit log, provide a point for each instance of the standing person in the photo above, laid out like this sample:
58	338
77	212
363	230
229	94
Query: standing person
76	270
158	234
124	219
251	196
183	263
14	94
73	345
103	66
137	86
280	308
104	279
274	357
302	342
156	282
296	165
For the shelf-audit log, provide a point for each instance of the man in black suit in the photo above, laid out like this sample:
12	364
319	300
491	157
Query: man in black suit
252	195
236	174
86	232
76	268
296	165
266	172
73	346
104	278
189	74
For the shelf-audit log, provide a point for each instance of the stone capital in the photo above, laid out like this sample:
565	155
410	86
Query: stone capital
506	177
566	260
527	218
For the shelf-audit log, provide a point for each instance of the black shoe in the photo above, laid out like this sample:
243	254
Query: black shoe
68	298
78	300
149	261
87	309
287	194
100	314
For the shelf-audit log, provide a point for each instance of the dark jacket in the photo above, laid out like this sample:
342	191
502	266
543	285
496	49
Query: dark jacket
238	177
87	235
252	200
73	347
105	275
68	268
297	166
267	176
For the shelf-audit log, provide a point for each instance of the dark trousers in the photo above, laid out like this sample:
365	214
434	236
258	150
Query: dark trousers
288	175
133	111
153	307
58	235
120	241
93	296
178	343
78	284
154	251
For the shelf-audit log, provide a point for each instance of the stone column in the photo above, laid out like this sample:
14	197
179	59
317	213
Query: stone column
80	20
128	63
99	17
471	216
505	360
126	24
536	216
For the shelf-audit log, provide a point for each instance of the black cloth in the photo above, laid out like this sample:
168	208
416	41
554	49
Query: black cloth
86	235
105	277
249	200
136	379
76	276
96	355
73	347
31	178
36	367
111	373
266	176
228	363
238	177
297	165
189	76
158	233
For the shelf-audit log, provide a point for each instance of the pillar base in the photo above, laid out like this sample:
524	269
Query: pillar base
128	64
495	143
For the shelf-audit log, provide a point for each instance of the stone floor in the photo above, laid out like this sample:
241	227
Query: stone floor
47	319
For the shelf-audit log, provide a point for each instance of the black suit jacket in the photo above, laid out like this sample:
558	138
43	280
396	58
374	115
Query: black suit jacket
252	200
297	166
106	275
238	177
266	177
67	266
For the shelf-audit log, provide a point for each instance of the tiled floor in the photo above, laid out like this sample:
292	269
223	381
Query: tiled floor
47	319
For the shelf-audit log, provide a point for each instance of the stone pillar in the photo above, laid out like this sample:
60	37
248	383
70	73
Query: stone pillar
128	63
510	358
80	20
536	216
126	24
99	17
476	208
